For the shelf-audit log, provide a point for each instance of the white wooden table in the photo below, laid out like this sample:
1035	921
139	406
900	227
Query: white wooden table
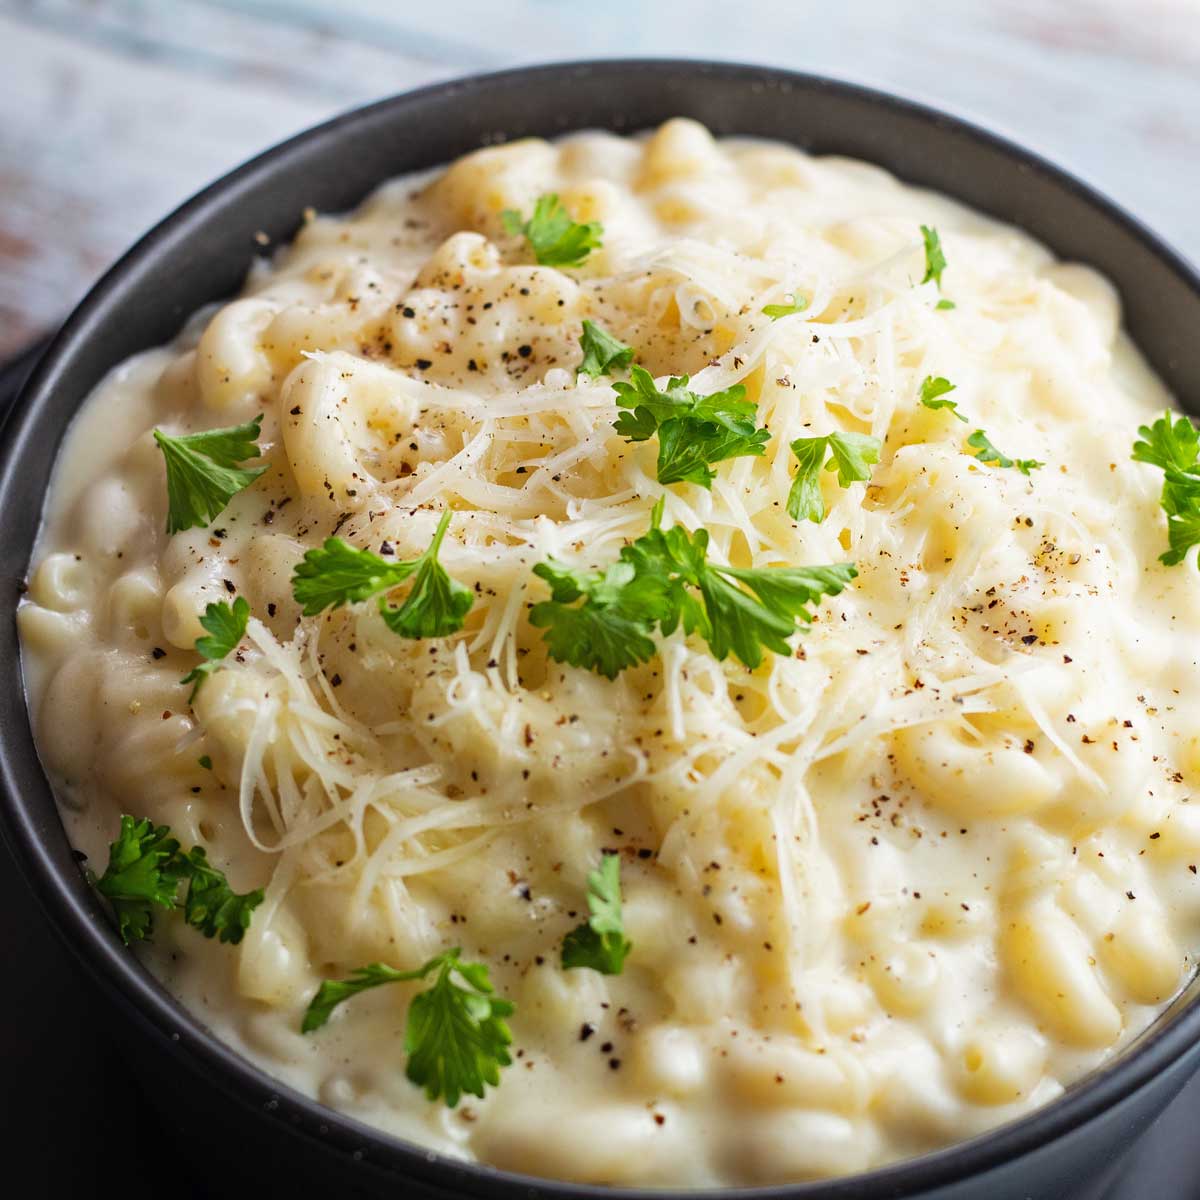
113	111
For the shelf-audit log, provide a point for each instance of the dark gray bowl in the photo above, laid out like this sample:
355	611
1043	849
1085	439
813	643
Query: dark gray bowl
241	1123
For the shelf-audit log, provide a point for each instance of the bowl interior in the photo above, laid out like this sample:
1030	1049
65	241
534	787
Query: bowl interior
201	254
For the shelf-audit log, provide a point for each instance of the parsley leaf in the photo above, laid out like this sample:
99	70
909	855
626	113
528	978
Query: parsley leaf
1174	447
456	1037
555	239
226	627
764	613
672	583
142	874
745	625
775	311
611	629
945	305
203	473
987	453
851	455
693	431
437	605
210	904
600	942
1183	532
332	992
1168	444
805	501
933	387
935	258
145	868
601	351
337	574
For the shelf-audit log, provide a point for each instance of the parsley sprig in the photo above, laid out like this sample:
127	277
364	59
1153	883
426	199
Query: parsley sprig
456	1037
611	629
693	431
226	627
934	389
337	574
603	621
987	453
146	865
601	351
850	455
935	262
203	473
935	257
600	942
1173	446
142	874
556	240
210	904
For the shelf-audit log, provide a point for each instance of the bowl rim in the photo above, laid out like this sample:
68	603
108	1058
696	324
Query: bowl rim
93	942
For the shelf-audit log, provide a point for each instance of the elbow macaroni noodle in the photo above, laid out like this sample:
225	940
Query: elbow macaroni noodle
884	894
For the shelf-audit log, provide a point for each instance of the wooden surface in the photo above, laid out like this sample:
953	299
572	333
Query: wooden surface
116	110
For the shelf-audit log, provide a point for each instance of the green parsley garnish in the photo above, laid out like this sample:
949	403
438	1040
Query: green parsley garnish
693	431
935	258
210	904
664	579
456	1038
944	305
205	762
555	239
226	627
933	387
338	574
775	311
1173	446
601	351
851	455
600	942
145	869
611	629
202	471
142	874
987	453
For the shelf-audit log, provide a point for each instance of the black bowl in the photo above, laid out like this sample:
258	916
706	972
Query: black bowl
238	1121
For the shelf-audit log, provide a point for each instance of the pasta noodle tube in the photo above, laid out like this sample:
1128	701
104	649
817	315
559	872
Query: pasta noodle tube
338	412
973	779
1052	969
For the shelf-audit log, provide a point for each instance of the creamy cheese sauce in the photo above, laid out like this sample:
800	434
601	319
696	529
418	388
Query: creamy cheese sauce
886	893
